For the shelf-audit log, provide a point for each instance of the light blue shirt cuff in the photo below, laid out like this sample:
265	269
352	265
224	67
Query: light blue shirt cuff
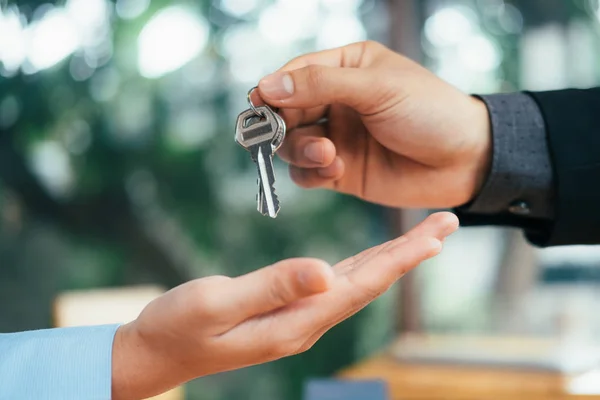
65	364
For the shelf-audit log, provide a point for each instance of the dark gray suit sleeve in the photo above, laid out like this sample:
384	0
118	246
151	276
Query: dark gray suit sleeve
520	181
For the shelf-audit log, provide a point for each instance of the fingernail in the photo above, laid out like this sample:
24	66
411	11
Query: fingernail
277	86
303	278
314	152
316	278
307	281
435	245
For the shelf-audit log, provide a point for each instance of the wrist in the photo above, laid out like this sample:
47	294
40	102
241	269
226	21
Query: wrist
483	150
137	370
126	364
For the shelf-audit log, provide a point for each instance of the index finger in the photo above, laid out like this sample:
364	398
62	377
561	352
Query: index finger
347	297
372	274
438	225
351	56
293	117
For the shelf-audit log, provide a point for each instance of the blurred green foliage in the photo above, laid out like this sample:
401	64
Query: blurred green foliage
143	209
108	178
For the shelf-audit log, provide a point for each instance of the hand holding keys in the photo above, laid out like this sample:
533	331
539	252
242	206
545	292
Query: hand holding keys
261	131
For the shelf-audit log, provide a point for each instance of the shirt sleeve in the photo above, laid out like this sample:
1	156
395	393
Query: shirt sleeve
521	178
65	363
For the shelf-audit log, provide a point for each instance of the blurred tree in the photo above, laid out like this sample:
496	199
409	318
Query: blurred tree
137	207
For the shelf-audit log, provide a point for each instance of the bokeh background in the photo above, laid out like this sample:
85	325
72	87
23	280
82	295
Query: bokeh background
118	165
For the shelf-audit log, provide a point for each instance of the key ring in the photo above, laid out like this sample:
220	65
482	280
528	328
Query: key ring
253	107
258	113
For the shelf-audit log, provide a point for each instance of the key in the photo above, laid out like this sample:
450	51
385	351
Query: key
250	131
262	205
262	137
269	203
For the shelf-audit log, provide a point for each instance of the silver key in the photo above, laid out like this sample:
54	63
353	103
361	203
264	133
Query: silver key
262	137
257	136
262	205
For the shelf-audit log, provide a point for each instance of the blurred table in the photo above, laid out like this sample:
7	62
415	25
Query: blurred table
431	380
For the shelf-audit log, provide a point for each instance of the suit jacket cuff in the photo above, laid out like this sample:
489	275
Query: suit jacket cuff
519	190
520	179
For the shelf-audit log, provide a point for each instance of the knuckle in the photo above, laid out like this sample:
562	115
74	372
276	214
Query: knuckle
289	345
304	348
279	293
314	76
206	304
276	350
283	342
208	309
373	45
307	345
269	353
284	349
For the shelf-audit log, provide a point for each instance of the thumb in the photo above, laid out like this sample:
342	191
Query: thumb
272	287
319	85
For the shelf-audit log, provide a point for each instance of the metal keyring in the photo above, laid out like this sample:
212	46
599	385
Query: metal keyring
258	113
253	107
